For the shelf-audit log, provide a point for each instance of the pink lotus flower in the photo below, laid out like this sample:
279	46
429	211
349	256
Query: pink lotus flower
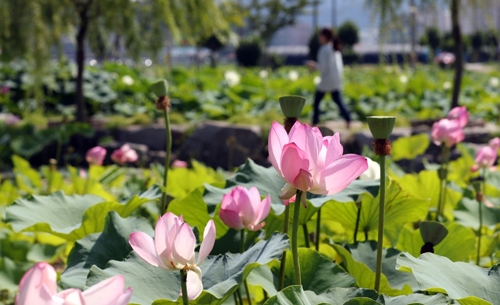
286	202
460	114
309	162
179	164
494	143
11	119
4	90
173	249
487	155
124	154
96	155
38	286
242	208
447	132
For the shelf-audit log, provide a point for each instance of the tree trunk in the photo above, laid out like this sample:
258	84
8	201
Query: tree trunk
413	33
459	60
81	114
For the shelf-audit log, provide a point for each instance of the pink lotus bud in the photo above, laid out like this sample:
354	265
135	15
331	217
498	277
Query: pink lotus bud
96	155
179	164
124	154
447	132
460	114
243	208
485	157
4	90
494	143
83	174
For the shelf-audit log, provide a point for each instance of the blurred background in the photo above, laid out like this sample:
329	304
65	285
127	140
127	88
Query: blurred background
91	62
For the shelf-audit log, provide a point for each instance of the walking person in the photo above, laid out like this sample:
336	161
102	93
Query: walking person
330	66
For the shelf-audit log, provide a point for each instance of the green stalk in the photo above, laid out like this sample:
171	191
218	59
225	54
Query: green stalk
318	229
238	294
381	216
281	282
440	202
184	287
59	148
306	236
356	228
479	232
444	182
164	204
295	236
245	283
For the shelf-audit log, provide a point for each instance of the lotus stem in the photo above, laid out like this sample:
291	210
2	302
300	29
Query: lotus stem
443	176
281	282
245	283
295	236
356	228
381	218
318	229
480	231
185	300
164	203
306	236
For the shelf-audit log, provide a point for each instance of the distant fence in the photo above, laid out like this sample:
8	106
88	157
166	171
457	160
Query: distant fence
297	55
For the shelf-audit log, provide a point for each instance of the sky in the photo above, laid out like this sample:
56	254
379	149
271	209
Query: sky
346	10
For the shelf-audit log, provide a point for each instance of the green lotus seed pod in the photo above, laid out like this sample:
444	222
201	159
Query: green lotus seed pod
381	126
433	232
292	105
160	88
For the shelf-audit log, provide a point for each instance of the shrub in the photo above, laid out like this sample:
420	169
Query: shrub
249	52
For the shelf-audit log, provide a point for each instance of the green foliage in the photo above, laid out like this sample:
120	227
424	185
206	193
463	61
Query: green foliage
249	51
269	16
314	46
318	272
348	34
100	248
401	208
221	274
410	147
466	283
81	216
433	38
477	40
365	275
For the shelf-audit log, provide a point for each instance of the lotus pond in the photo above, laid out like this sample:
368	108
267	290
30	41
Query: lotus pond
317	227
244	96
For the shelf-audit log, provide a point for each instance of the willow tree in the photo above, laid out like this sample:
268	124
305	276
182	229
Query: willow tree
388	9
267	17
30	29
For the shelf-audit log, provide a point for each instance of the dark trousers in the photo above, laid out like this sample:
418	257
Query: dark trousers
336	98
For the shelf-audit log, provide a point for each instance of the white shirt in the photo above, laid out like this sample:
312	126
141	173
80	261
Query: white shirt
330	67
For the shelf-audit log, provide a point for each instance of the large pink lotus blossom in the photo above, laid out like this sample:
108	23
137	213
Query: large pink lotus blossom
124	154
96	155
447	132
38	286
487	155
243	208
309	162
173	249
460	114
